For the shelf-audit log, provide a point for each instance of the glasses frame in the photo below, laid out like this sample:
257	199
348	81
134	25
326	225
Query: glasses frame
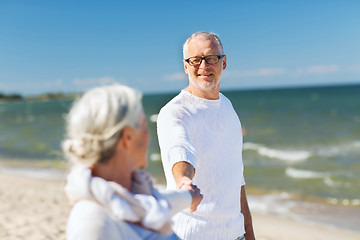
204	58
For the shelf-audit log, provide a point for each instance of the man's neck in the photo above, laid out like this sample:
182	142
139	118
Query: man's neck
210	95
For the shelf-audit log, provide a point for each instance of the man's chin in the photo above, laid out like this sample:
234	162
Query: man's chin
204	85
207	86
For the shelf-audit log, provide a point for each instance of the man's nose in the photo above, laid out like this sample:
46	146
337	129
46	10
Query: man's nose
203	63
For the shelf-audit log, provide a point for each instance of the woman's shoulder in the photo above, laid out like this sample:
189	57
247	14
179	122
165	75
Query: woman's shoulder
88	220
87	208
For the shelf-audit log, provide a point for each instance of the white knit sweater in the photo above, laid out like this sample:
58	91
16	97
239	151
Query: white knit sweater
208	135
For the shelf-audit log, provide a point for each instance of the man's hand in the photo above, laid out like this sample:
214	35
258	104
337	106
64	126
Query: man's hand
183	173
184	180
194	191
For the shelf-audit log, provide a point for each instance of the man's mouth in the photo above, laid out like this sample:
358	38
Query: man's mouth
205	75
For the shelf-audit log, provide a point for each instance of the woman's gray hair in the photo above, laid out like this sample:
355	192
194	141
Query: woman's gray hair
96	120
202	35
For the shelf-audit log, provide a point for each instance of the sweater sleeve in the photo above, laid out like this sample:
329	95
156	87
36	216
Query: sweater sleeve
174	140
178	199
181	154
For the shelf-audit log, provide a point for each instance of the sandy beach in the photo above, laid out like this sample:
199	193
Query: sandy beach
33	209
36	209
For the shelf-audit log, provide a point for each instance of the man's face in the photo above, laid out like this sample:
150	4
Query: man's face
204	77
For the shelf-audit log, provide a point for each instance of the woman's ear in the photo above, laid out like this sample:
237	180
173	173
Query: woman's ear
126	137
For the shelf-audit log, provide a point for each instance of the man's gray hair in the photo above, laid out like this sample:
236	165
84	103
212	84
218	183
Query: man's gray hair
202	35
95	123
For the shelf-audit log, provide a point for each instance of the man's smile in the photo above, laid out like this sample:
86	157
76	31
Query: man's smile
205	75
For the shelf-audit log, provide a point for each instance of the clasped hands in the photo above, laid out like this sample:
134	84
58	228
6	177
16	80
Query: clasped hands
142	183
186	184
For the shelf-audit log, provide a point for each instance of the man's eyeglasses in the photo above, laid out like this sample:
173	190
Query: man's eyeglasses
211	59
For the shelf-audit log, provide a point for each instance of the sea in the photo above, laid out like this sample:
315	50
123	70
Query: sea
301	147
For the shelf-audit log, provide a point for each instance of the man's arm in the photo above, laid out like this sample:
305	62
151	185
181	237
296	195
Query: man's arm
183	173
249	235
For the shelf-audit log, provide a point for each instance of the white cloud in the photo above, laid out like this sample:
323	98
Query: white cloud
323	69
175	77
84	82
318	69
355	68
262	72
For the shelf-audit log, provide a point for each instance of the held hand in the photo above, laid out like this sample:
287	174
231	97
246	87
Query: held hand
195	194
184	181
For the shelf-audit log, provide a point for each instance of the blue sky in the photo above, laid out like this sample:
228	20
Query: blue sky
67	46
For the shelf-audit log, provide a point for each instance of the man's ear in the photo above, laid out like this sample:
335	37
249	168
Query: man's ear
224	62
185	67
126	137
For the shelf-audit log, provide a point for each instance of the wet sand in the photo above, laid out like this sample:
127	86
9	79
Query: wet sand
269	227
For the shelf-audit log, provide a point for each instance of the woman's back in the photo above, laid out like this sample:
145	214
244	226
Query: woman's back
88	220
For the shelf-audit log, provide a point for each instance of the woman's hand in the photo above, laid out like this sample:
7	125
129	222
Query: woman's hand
141	183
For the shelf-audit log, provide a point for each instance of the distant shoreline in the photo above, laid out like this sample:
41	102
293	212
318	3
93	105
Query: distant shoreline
39	97
73	95
268	88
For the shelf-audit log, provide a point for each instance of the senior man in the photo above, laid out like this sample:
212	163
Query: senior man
200	138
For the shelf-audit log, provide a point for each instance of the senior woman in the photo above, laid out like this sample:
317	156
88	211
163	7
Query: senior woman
107	142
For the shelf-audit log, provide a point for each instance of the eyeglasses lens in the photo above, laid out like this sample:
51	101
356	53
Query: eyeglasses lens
213	59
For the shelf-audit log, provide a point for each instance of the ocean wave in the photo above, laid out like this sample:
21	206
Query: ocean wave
285	155
342	149
153	118
271	203
155	157
331	183
304	174
307	174
285	204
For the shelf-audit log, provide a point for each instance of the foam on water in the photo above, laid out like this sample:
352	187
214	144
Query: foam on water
284	155
344	149
331	183
338	150
304	174
155	157
153	118
285	204
271	203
